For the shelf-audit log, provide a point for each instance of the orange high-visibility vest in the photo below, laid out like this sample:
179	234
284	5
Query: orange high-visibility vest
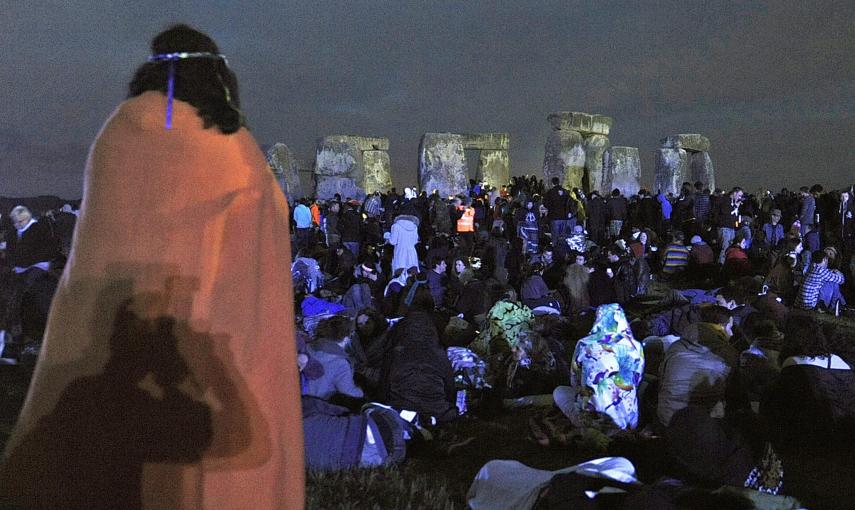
316	214
466	223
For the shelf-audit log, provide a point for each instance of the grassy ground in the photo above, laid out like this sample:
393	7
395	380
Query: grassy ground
432	479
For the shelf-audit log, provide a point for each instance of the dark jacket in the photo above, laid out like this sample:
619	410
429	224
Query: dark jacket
350	226
37	244
417	375
616	207
557	202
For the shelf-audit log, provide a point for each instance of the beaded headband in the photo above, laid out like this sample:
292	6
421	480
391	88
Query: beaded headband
172	58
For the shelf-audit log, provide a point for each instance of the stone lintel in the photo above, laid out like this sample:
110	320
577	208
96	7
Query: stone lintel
585	123
689	142
362	143
486	141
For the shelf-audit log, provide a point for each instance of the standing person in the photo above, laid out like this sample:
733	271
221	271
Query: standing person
773	230
405	237
665	205
616	207
528	229
303	229
807	211
168	374
596	212
846	222
466	227
701	207
560	215
727	220
351	228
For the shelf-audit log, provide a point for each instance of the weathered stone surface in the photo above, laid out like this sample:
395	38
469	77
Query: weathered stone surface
442	164
595	147
584	123
689	142
564	157
494	168
671	169
339	156
485	141
622	170
601	124
378	171
701	169
286	169
327	186
361	143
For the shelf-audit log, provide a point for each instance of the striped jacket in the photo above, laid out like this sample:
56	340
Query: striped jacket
816	277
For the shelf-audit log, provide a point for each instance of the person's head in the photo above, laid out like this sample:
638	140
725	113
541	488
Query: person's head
205	81
337	328
677	237
555	181
615	192
437	263
546	256
460	265
20	216
420	298
775	216
579	258
740	240
820	258
369	324
803	191
844	195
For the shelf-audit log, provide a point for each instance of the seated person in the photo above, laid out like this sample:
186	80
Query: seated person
691	374
605	373
821	284
417	375
332	337
736	263
675	256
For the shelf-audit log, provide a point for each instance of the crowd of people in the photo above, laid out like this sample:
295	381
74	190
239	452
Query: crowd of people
414	310
422	309
693	318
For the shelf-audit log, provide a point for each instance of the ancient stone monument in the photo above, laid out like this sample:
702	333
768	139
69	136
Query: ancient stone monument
351	166
574	150
683	158
621	170
442	161
285	168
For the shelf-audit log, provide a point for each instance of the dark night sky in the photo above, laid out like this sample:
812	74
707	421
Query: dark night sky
771	84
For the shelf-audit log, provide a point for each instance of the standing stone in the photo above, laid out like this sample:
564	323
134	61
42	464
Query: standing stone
565	158
328	185
671	169
701	169
493	168
378	171
622	170
595	147
442	164
339	156
286	170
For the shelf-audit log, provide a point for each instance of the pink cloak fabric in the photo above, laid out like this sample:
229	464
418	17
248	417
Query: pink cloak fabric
168	375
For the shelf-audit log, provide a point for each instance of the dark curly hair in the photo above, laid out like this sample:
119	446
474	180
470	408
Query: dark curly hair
206	83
